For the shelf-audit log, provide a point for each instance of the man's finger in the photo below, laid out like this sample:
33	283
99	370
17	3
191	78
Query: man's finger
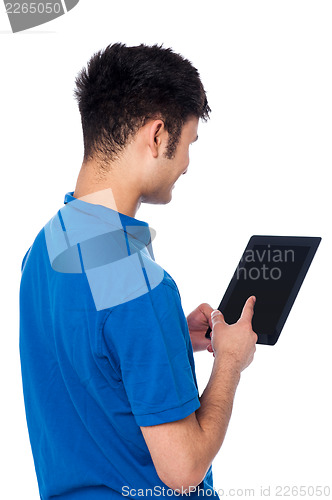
206	309
217	317
248	309
209	348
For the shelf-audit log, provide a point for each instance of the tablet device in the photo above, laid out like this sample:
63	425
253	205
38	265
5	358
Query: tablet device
273	269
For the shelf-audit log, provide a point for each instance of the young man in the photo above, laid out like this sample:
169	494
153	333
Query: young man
108	373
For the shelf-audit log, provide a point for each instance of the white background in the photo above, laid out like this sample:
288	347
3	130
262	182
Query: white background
261	166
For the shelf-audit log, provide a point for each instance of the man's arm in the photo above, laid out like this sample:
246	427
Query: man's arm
182	451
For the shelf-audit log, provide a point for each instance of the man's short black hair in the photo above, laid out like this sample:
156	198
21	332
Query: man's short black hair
122	88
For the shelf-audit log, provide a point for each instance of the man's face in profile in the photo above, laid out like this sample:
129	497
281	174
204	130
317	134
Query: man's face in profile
169	170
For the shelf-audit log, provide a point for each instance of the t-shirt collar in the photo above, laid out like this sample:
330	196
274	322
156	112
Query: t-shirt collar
136	228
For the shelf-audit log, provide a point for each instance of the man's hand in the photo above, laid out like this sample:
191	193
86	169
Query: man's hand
236	342
198	322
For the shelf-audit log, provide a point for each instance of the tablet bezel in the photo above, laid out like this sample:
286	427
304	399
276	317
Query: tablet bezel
308	241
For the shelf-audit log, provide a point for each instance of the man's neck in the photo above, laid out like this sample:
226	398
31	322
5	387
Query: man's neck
113	191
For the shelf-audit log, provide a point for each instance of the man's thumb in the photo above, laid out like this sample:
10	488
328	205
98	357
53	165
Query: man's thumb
248	309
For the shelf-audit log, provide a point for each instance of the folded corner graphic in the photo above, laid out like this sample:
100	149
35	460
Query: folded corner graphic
24	15
118	263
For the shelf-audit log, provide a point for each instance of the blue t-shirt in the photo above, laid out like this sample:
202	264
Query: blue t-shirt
105	349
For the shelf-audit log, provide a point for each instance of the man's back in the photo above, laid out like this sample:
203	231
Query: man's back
105	349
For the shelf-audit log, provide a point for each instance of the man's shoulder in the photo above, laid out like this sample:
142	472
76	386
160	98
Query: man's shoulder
118	269
169	281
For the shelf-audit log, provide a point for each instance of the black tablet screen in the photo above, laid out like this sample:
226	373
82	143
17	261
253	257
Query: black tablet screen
269	272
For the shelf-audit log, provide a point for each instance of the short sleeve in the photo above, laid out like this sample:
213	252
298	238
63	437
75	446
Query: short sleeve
148	341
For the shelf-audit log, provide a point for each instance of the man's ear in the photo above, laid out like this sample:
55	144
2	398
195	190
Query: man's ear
157	137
